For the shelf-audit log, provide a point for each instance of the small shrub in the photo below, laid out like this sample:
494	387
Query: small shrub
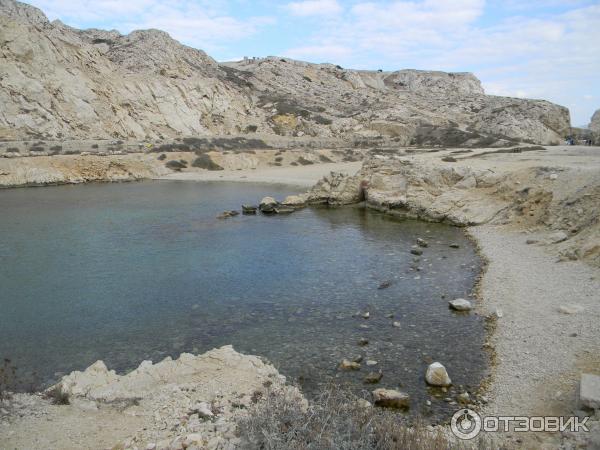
322	120
56	149
307	78
162	157
204	161
57	396
37	148
94	145
325	159
251	129
336	420
176	165
304	161
172	148
12	150
278	158
293	163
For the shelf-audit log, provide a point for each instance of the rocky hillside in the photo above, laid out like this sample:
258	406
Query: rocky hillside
57	82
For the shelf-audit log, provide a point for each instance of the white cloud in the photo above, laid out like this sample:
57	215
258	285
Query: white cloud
200	23
320	53
544	55
315	8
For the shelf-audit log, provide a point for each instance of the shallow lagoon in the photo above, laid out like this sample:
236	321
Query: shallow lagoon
127	272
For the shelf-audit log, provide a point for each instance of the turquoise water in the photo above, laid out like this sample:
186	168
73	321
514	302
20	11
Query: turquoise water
127	272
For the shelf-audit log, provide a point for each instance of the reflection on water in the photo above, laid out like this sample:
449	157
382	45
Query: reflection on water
126	272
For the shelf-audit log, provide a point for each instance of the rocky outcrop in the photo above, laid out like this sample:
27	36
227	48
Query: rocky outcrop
549	193
59	82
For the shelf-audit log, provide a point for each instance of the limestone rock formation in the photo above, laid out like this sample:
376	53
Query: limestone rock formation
59	82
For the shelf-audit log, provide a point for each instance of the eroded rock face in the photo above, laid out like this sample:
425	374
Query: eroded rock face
101	84
336	189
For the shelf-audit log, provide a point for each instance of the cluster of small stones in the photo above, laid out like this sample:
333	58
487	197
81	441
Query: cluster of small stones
436	374
269	206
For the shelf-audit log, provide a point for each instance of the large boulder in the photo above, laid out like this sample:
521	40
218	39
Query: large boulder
267	205
437	375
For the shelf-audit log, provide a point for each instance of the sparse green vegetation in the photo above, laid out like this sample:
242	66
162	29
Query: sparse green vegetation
176	165
305	162
204	161
57	396
37	148
322	120
325	159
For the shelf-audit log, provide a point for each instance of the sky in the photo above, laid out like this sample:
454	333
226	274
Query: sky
546	49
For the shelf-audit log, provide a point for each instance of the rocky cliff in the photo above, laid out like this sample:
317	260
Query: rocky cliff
59	82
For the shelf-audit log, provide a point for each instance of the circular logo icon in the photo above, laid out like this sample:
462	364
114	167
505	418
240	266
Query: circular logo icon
465	424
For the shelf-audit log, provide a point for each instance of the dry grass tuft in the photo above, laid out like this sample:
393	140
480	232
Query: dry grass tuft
337	420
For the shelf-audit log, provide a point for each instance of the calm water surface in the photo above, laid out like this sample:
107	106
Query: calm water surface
127	272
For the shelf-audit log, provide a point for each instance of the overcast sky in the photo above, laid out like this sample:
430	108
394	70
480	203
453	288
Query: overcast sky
546	49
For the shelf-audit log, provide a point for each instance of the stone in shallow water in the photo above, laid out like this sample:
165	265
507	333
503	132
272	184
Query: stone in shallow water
249	209
416	251
589	391
460	304
349	365
422	242
267	205
437	375
373	377
391	398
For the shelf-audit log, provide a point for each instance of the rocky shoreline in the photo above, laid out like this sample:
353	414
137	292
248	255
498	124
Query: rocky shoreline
533	214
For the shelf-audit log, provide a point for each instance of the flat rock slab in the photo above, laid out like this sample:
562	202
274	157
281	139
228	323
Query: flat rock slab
460	304
589	391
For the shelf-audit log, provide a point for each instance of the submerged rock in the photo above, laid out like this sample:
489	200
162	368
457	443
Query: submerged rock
437	375
249	209
391	398
363	341
460	304
422	242
384	285
283	210
416	251
227	214
373	377
349	365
